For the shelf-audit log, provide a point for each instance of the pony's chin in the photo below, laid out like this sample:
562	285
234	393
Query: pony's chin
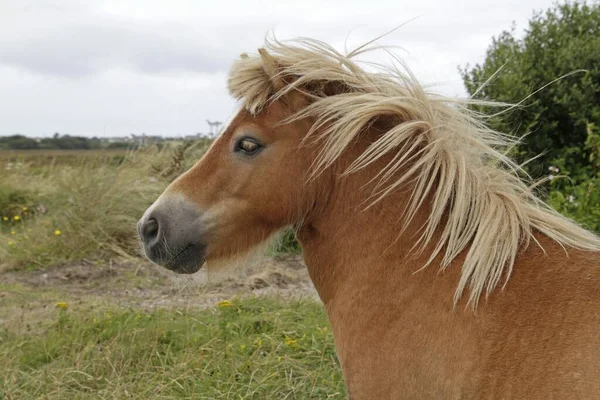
187	269
188	261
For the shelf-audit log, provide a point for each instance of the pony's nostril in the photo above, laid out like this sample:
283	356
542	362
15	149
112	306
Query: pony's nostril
150	230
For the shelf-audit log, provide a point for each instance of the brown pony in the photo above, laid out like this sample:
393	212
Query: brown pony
410	216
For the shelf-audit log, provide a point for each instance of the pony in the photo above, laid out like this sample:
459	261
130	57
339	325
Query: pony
441	271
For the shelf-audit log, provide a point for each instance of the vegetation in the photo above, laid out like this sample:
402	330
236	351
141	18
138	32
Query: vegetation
58	142
287	243
553	73
257	348
84	210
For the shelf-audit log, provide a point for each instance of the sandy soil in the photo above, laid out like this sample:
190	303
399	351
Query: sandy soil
137	283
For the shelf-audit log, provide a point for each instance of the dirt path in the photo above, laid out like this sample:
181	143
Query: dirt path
139	283
27	296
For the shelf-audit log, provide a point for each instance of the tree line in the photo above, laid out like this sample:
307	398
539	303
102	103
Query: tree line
61	142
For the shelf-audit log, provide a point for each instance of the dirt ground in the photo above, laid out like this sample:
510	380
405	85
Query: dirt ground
25	295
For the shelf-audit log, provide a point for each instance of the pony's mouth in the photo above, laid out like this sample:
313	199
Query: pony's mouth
173	235
187	260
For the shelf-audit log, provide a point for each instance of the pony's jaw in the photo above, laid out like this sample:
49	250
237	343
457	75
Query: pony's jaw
174	234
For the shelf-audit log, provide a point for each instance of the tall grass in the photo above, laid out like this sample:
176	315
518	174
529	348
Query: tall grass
84	209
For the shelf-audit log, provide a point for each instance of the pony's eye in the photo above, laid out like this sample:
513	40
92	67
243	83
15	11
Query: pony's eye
248	146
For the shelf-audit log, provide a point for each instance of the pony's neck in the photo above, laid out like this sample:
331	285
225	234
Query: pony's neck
364	272
346	244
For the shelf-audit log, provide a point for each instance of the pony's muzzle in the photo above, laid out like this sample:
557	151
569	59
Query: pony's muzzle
171	233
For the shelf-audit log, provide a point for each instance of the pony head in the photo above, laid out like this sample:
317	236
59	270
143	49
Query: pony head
311	117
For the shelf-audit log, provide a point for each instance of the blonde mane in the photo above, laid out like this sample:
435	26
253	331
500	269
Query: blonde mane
450	156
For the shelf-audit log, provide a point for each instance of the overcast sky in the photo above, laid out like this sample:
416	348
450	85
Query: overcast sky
115	67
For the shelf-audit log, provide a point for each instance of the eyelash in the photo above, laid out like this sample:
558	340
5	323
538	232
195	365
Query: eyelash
239	146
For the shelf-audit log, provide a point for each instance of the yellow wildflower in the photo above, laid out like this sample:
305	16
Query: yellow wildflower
62	305
224	304
13	232
16	217
293	344
57	232
11	243
5	218
25	208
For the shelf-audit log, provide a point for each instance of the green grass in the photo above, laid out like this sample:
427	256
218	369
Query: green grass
247	349
286	243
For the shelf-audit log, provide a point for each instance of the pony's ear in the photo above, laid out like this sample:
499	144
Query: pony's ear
272	69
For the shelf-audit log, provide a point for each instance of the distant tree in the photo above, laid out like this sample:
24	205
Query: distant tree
47	143
120	145
18	142
564	39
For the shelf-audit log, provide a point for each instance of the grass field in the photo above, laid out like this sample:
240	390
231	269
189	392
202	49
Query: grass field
89	339
44	158
257	348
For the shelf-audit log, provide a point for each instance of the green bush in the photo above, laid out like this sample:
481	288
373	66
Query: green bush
563	41
580	203
576	194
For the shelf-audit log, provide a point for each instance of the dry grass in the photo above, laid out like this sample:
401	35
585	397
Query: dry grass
83	209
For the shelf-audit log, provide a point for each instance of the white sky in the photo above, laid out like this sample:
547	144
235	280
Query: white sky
116	67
